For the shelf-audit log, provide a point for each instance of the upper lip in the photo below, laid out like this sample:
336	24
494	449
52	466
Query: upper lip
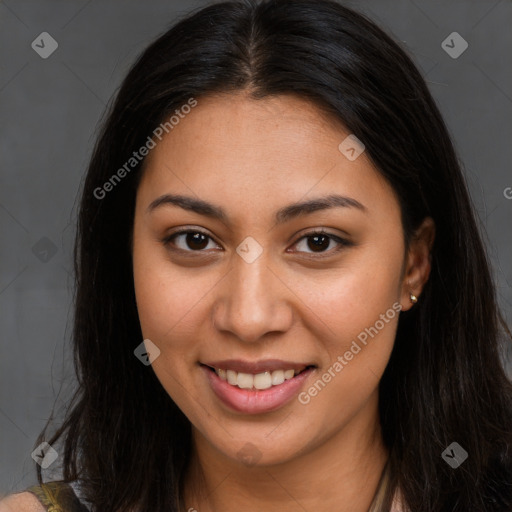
255	367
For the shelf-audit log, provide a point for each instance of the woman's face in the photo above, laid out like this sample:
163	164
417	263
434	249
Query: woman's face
252	291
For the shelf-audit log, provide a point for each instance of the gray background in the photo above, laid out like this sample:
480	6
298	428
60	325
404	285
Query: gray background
50	109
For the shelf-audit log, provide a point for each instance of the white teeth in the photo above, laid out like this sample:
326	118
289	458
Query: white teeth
288	374
277	377
245	380
263	380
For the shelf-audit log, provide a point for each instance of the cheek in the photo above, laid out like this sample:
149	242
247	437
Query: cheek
356	347
166	297
161	301
356	314
360	325
352	298
168	304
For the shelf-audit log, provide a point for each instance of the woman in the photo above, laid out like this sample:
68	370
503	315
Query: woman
283	301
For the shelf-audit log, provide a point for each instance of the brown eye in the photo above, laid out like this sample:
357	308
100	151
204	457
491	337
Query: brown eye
196	240
189	240
318	243
321	242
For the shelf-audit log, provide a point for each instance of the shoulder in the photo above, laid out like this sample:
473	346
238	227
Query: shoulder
21	502
54	495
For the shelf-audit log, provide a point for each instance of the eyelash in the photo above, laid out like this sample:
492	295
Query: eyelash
342	242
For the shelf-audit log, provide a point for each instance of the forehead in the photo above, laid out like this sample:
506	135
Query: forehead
257	153
240	124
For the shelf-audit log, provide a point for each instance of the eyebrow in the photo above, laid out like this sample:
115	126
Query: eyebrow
284	214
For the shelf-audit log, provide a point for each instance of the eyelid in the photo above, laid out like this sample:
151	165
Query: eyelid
342	242
166	240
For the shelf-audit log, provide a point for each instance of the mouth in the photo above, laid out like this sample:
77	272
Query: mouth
261	387
259	381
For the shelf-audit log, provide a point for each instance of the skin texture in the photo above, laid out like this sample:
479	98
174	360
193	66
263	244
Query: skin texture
253	157
21	502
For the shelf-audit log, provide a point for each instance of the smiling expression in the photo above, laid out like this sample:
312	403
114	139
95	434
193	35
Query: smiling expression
260	253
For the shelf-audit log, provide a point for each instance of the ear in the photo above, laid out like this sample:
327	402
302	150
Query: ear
417	263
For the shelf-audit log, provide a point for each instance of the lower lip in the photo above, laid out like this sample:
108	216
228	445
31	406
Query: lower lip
256	401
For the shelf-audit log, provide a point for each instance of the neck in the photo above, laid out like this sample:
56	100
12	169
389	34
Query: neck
341	473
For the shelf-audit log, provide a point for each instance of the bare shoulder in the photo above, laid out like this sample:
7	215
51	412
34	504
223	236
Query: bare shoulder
21	502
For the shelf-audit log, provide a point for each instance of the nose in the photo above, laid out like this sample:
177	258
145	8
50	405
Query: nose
253	301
